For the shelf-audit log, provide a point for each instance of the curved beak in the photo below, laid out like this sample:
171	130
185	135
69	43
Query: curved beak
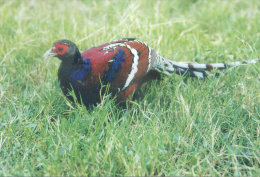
49	53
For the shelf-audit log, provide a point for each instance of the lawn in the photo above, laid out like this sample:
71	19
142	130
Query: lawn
181	126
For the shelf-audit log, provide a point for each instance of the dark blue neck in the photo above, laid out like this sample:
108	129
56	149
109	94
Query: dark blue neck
78	58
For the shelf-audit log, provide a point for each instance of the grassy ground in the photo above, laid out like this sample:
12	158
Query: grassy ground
180	127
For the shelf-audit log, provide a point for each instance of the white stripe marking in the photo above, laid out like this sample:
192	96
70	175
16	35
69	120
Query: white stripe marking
149	58
236	63
199	66
198	74
114	46
180	64
253	61
218	65
134	68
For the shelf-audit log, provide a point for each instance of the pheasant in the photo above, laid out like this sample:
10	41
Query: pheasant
123	65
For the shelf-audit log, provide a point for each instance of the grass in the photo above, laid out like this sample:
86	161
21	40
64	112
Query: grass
180	127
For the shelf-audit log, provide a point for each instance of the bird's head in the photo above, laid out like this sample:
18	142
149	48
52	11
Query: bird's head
65	50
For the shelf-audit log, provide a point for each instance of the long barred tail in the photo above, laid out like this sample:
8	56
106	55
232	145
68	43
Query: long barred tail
168	67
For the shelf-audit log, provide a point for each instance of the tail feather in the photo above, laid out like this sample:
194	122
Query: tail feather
168	67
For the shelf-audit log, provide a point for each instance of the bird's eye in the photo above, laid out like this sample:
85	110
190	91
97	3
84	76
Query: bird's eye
60	49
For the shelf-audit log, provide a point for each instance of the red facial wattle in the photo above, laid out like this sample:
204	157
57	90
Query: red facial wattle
60	49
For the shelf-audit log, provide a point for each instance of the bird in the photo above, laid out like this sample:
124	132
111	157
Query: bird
119	68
